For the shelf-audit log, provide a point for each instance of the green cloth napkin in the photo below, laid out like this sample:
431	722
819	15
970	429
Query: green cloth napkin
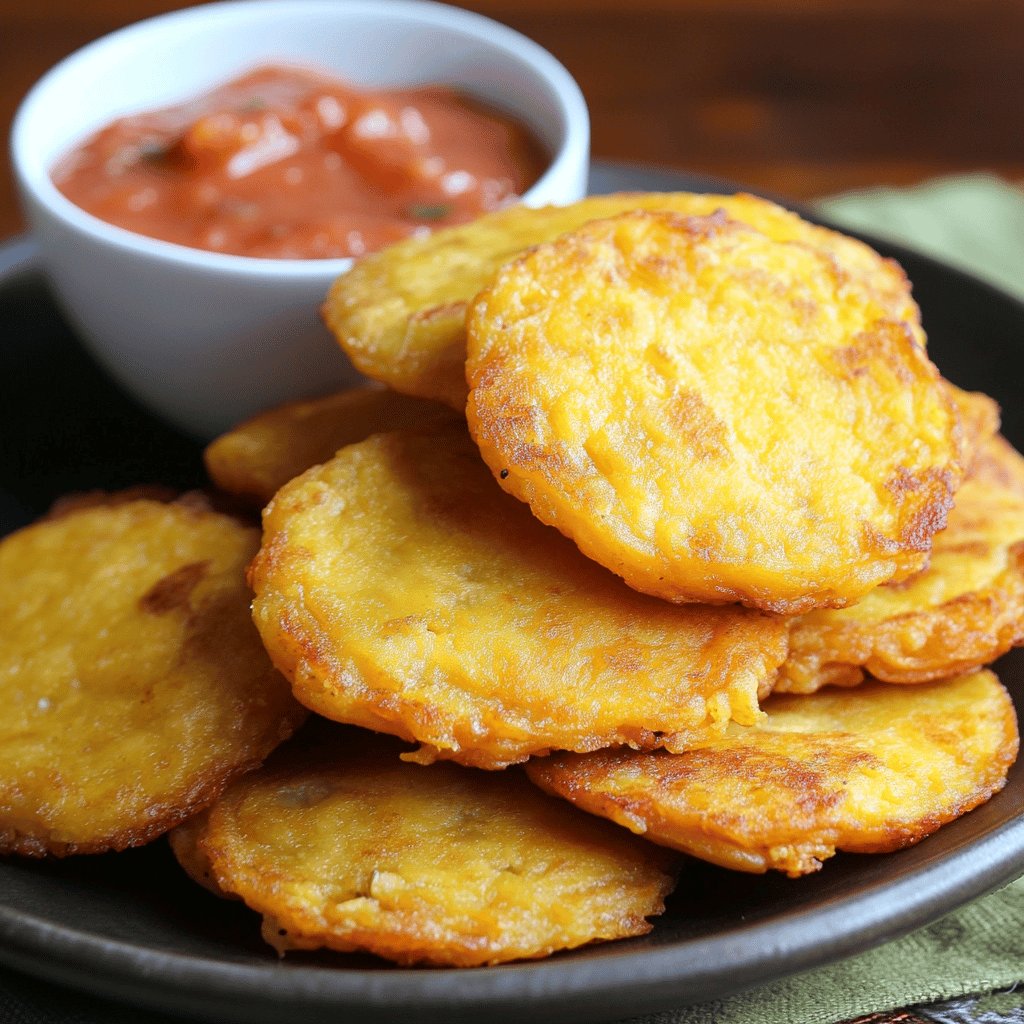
975	222
974	951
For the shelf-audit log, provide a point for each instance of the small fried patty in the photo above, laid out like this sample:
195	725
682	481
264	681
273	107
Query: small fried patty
869	770
400	589
400	313
964	610
340	844
713	415
134	684
262	454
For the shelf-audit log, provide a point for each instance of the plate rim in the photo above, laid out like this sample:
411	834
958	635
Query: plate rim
606	986
154	978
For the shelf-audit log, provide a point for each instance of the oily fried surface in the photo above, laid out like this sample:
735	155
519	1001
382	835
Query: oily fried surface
343	845
964	610
134	684
400	589
400	314
711	414
260	455
868	771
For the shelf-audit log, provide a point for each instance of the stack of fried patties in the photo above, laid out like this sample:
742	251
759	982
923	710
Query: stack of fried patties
718	555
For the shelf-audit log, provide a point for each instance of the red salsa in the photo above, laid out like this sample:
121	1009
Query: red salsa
286	163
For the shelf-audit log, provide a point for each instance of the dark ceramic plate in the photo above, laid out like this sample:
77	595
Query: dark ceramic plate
131	926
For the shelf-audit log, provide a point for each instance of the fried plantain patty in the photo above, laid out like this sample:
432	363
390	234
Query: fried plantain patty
134	684
400	589
711	414
869	770
262	454
964	610
340	844
400	313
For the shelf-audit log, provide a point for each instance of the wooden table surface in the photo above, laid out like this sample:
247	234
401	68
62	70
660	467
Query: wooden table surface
802	97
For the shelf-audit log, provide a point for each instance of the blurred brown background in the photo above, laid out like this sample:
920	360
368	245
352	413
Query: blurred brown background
802	97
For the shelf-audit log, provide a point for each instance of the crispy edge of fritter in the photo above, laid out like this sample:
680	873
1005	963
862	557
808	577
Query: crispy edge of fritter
921	645
238	461
964	633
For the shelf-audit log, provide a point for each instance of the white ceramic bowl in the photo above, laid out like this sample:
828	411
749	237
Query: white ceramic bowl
205	339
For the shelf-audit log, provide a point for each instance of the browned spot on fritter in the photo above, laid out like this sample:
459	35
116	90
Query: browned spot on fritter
929	518
697	424
902	482
811	785
627	659
436	312
883	345
700	227
174	590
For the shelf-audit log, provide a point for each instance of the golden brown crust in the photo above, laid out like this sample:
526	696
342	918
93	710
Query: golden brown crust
400	589
963	611
400	314
866	771
340	844
711	414
68	504
262	454
136	689
196	500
